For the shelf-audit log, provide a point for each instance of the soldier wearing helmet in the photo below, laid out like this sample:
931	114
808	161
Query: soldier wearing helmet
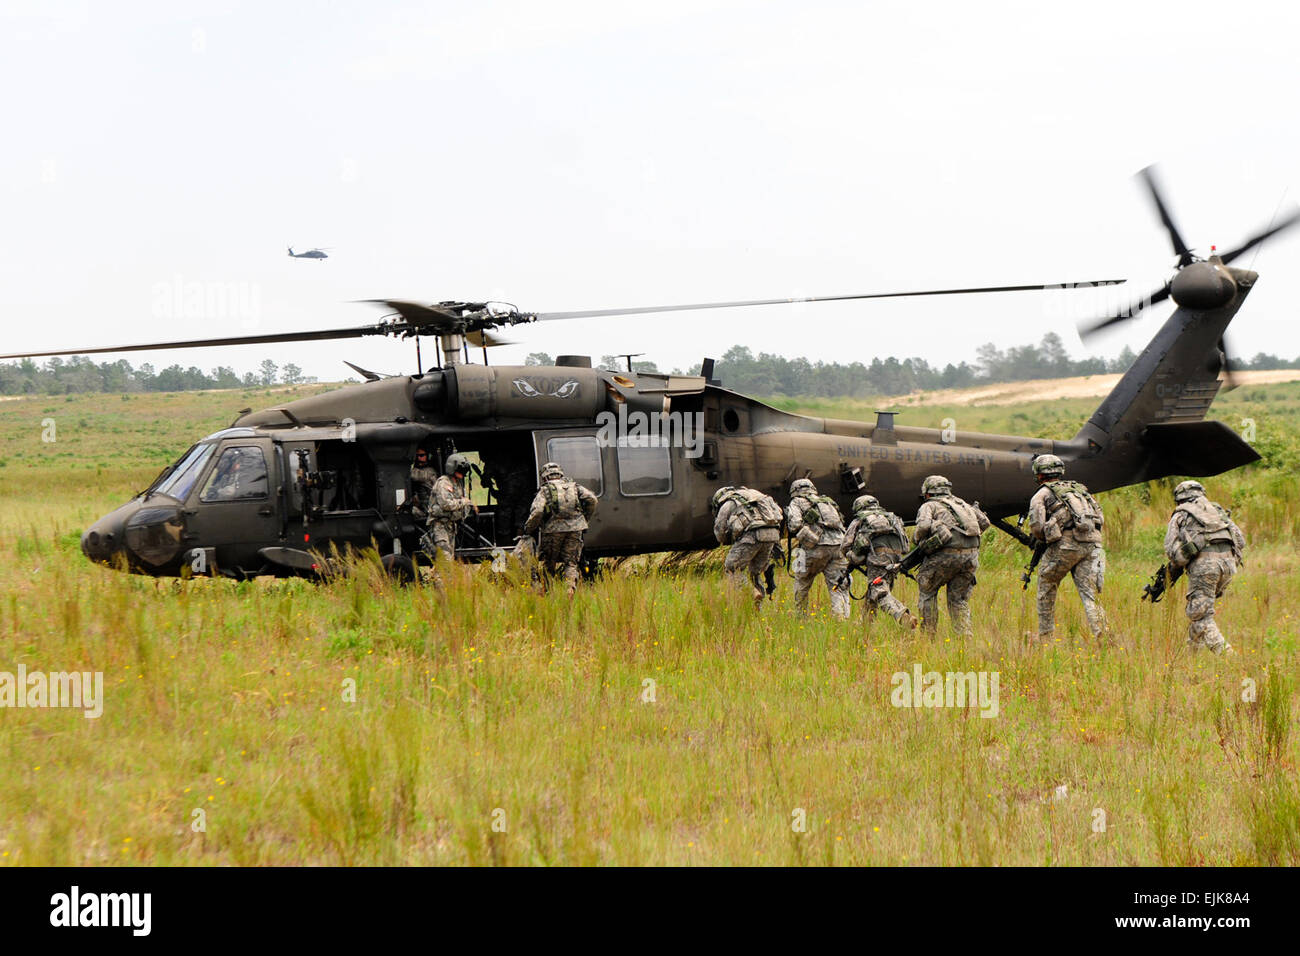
875	539
955	527
750	522
1068	522
818	528
560	511
441	501
1203	540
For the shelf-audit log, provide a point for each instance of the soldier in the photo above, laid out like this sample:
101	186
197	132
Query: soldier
818	528
1203	539
956	527
423	475
560	509
874	540
444	505
227	482
750	522
1065	517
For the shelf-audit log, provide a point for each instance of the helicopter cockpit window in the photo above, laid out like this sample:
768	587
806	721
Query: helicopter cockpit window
183	476
240	475
579	456
644	470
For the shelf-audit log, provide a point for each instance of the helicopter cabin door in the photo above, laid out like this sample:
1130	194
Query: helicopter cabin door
641	487
233	510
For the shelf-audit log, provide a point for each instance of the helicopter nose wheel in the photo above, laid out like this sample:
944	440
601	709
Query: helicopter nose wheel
400	568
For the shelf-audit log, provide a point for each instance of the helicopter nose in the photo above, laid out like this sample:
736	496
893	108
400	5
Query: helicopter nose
102	540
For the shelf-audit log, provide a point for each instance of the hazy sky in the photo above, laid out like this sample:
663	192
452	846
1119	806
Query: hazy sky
594	155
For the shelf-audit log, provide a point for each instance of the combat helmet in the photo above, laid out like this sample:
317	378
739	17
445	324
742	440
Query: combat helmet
456	465
802	486
552	472
863	502
1048	466
719	496
935	485
1189	490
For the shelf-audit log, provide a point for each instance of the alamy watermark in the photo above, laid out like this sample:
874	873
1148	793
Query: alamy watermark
77	689
637	429
951	689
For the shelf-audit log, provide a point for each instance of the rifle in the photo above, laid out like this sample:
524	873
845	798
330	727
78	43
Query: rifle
769	573
1040	548
916	555
1160	582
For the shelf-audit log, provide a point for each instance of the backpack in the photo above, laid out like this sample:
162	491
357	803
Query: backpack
756	511
876	531
963	516
1211	524
562	500
822	511
1085	517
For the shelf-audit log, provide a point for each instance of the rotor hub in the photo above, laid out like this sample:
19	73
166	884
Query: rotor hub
1203	286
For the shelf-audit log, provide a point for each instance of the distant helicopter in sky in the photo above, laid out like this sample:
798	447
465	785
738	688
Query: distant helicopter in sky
309	254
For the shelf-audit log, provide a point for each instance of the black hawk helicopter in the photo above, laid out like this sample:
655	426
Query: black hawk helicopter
281	485
309	254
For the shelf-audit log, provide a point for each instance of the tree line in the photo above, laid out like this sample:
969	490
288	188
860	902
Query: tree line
767	374
739	369
79	374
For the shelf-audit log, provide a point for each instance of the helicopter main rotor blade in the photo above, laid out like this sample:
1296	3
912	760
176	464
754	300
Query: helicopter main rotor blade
1131	312
646	310
1180	247
314	336
1251	243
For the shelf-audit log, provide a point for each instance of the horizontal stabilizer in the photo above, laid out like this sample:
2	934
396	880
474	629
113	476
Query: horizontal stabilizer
1197	449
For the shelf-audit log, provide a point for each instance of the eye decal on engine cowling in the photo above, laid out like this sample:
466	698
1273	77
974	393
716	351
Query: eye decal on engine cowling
566	389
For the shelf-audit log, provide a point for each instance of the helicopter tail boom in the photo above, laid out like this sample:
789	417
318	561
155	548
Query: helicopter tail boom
1154	417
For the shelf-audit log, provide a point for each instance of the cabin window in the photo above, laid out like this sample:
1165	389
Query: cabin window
579	456
240	475
731	420
644	470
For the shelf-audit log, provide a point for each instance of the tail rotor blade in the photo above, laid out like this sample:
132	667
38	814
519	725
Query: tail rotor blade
1132	312
1251	243
1229	380
1180	247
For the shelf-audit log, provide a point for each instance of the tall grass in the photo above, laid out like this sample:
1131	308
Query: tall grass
352	722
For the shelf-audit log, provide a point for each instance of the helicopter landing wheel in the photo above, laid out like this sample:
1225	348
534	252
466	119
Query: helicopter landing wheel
400	568
590	568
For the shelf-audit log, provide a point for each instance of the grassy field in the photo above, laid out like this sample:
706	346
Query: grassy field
655	720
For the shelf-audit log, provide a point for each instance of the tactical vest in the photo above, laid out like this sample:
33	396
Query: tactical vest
1210	524
434	508
562	499
877	533
1078	509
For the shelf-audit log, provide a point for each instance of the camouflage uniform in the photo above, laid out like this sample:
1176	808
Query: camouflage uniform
751	527
447	505
1203	539
954	564
875	540
816	524
1073	548
560	510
